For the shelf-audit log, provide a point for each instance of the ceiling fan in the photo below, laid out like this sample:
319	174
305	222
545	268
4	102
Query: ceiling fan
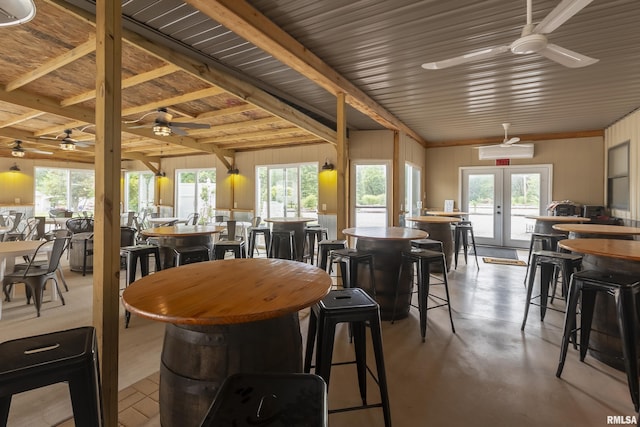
67	143
17	150
532	40
508	148
163	126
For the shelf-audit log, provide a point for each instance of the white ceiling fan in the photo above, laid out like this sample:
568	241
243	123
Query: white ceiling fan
532	40
508	148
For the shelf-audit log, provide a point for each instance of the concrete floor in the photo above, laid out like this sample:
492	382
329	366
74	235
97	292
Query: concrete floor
487	374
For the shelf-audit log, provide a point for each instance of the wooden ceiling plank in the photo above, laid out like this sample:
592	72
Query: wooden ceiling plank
272	142
191	96
248	23
59	129
128	82
263	134
52	65
227	111
523	138
206	73
21	118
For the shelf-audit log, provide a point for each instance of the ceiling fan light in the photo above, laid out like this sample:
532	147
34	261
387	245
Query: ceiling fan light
67	146
15	12
16	152
161	130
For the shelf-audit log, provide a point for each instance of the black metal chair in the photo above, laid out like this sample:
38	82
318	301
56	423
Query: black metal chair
43	261
34	277
229	243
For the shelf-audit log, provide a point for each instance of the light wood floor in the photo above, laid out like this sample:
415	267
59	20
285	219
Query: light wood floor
487	374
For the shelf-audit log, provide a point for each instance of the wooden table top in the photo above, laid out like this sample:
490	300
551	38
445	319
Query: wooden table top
227	291
444	213
181	230
613	248
558	219
289	220
598	229
385	233
433	219
161	220
19	247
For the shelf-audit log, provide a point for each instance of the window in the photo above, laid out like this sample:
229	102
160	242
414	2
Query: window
71	189
618	177
139	191
287	190
196	192
371	194
412	190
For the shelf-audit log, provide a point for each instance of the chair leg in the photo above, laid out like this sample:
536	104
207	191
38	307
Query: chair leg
626	309
569	325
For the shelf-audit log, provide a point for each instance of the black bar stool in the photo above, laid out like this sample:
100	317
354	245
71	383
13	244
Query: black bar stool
549	261
132	254
237	247
349	259
66	356
282	245
462	230
190	255
269	399
423	258
253	233
624	288
547	242
430	244
311	235
326	246
355	306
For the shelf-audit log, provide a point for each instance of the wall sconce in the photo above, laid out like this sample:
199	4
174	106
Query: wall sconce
233	171
14	168
161	174
327	166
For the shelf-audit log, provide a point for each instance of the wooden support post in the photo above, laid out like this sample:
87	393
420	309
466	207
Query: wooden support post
106	271
395	177
342	166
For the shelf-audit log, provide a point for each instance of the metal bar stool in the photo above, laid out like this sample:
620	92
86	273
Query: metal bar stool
548	261
547	241
355	306
311	235
624	288
190	255
282	245
349	260
462	230
221	247
430	244
423	258
326	246
253	233
132	254
66	356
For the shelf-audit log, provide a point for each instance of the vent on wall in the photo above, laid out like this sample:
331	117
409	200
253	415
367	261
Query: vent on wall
492	152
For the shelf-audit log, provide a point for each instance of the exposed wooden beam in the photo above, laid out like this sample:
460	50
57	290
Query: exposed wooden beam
523	138
204	72
186	97
52	65
21	118
342	167
132	155
262	135
274	143
128	82
248	23
227	111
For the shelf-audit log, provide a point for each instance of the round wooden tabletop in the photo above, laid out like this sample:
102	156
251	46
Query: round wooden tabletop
612	248
558	219
433	219
598	229
385	233
444	213
182	230
227	291
289	220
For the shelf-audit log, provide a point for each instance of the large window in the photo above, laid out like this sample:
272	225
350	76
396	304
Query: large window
196	192
371	193
618	177
71	189
139	191
412	190
287	190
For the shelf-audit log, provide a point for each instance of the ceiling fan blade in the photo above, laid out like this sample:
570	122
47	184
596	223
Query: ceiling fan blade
192	125
469	57
139	126
34	150
177	130
566	57
511	141
561	14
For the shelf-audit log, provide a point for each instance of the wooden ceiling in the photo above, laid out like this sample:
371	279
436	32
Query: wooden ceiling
47	78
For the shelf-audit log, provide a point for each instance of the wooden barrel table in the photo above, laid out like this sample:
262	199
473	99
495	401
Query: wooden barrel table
598	231
386	244
181	236
224	317
295	224
614	256
439	228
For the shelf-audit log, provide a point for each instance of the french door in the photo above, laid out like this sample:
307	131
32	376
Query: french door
499	200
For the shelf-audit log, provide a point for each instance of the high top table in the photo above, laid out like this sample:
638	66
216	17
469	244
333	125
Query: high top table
439	228
386	244
297	225
447	213
224	317
604	231
181	236
615	256
544	223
